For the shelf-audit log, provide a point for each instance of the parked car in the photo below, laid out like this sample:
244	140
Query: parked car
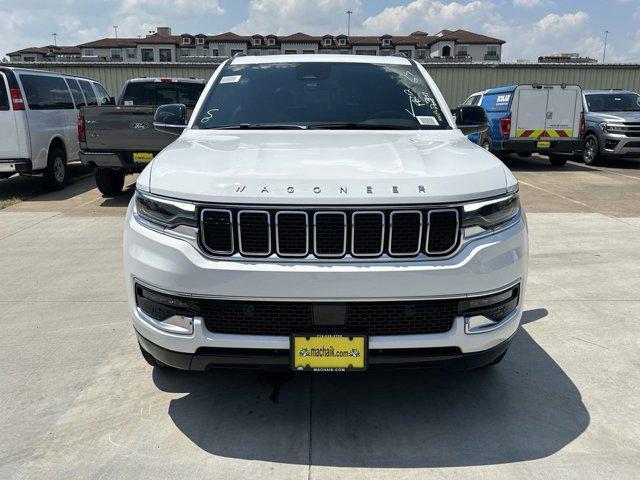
612	125
324	212
120	139
38	111
526	119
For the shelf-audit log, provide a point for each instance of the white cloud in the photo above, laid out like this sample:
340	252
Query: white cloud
528	3
138	17
291	16
429	15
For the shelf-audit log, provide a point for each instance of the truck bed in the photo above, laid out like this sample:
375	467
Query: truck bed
122	129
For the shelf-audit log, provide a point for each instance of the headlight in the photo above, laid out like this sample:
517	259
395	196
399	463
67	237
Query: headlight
490	214
169	216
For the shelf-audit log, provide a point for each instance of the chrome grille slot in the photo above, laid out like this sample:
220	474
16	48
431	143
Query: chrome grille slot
217	229
367	234
254	232
443	226
292	233
405	232
330	234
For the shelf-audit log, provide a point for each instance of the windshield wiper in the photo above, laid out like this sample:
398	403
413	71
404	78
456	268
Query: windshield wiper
257	126
360	126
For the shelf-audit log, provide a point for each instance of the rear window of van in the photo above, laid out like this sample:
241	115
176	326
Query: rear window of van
497	102
46	93
4	97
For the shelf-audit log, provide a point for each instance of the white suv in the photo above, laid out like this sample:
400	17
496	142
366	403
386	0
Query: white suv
324	212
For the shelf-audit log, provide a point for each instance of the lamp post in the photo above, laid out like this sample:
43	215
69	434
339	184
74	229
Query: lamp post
115	29
55	38
349	12
604	52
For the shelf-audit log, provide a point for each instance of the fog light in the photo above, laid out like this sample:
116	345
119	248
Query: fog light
176	324
479	324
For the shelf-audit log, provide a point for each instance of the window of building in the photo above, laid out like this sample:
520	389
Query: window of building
342	41
200	41
366	52
386	42
307	52
462	51
116	54
184	52
271	41
257	41
44	92
200	51
88	93
327	42
492	50
186	41
215	52
165	54
446	51
290	52
29	59
131	53
147	55
234	51
88	52
76	93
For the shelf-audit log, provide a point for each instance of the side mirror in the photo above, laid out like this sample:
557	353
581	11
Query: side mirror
170	118
471	119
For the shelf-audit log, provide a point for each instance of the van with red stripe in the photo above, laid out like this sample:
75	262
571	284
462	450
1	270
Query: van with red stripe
534	118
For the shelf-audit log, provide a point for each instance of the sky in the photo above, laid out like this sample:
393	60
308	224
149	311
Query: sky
530	27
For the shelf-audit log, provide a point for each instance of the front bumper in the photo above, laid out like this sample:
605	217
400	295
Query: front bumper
531	146
621	145
173	266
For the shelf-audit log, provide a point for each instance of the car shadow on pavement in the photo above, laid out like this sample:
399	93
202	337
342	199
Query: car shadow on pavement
525	408
541	164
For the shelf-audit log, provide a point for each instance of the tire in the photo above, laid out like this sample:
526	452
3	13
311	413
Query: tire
591	152
110	182
558	160
55	174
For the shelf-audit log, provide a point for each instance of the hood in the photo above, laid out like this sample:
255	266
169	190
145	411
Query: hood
615	116
325	167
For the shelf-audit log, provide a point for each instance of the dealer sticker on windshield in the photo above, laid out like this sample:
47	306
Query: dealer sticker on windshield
230	79
426	120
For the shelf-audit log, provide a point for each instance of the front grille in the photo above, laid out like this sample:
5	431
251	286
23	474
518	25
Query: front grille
330	233
371	318
629	129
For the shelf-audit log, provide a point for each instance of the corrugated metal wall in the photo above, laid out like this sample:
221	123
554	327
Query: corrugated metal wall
456	81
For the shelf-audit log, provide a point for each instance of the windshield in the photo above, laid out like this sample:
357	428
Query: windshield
152	94
613	102
321	95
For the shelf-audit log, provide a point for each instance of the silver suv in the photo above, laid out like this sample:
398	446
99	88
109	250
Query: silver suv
612	124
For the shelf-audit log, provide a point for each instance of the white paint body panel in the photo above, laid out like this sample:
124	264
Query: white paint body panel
309	167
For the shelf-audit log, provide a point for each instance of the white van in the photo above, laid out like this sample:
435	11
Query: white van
38	118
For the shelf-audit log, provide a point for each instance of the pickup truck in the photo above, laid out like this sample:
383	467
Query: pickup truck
120	139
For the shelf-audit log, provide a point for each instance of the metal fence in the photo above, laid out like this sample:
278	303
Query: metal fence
456	80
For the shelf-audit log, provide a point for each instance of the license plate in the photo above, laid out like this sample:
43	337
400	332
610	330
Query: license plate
544	144
140	157
329	353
